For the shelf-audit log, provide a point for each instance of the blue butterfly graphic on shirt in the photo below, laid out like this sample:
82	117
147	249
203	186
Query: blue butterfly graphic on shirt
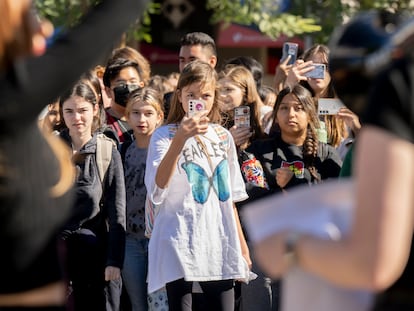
202	183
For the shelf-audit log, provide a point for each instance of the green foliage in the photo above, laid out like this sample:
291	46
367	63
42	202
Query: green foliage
63	13
140	30
327	13
263	14
315	18
66	13
391	5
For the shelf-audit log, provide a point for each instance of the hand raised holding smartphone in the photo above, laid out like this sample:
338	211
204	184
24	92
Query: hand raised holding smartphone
242	116
290	49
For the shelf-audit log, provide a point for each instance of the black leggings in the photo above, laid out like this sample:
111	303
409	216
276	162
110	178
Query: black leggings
217	295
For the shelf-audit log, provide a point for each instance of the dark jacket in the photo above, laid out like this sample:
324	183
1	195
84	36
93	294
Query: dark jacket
29	216
100	207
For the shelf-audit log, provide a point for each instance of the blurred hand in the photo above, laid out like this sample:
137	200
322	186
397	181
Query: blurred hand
283	176
269	254
350	119
296	74
198	124
282	69
241	135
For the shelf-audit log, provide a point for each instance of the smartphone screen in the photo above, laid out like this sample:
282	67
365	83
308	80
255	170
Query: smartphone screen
242	116
290	48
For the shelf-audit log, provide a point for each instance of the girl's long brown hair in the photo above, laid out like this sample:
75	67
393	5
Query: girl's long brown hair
194	72
243	78
311	143
334	126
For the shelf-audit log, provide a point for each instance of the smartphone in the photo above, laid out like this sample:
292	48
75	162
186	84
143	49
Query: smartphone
317	73
290	48
242	116
329	106
195	106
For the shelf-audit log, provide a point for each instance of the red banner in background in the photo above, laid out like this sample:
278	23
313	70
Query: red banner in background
235	35
157	55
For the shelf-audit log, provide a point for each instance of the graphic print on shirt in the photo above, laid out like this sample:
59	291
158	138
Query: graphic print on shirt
252	170
297	167
201	183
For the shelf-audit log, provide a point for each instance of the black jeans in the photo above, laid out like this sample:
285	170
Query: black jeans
217	295
86	257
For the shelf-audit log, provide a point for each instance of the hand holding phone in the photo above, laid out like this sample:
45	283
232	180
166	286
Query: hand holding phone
195	106
242	116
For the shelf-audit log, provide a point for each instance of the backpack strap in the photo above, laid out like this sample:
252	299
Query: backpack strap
104	147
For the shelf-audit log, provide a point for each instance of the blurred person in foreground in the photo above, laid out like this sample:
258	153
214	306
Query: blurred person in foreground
373	69
36	174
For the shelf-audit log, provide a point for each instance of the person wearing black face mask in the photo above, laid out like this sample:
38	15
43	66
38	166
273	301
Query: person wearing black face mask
120	78
122	91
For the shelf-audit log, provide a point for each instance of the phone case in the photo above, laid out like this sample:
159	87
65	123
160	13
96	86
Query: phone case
290	48
317	73
242	116
194	106
329	106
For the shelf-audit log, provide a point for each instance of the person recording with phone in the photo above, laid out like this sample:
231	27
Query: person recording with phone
289	57
240	105
293	154
193	178
377	253
312	71
238	88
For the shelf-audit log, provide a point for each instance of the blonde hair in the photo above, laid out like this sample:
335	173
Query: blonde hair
146	95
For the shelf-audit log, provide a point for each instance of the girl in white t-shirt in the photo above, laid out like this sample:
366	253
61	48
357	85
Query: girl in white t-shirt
193	177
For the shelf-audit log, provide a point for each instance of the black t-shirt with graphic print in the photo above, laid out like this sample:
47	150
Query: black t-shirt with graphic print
274	153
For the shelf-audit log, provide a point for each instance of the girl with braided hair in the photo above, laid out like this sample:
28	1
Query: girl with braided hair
293	155
338	130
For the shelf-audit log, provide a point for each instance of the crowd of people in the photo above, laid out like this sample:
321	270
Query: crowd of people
125	190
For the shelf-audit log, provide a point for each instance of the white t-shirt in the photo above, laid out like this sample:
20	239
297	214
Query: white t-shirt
195	234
